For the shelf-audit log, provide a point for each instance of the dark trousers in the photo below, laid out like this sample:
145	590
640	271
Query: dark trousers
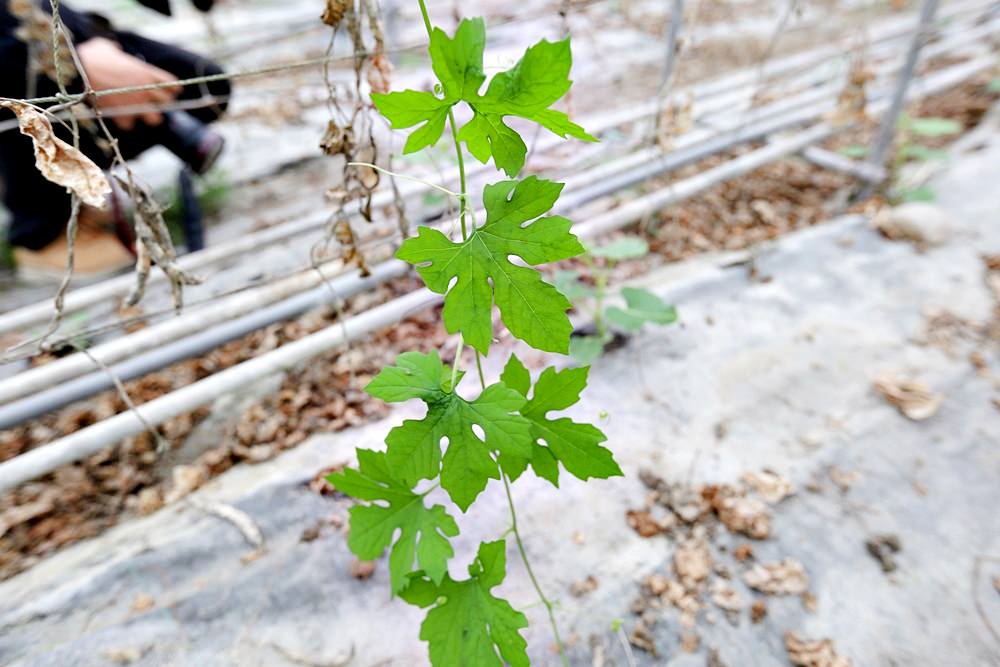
40	209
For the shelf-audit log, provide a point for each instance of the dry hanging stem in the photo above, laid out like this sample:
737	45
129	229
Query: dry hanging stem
349	134
852	100
153	243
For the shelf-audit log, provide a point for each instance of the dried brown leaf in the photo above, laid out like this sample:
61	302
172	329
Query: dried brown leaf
692	562
725	596
643	523
743	515
912	398
362	569
784	577
581	588
58	161
769	485
334	12
813	653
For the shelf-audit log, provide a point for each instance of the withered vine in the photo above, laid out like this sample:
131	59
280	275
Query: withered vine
462	443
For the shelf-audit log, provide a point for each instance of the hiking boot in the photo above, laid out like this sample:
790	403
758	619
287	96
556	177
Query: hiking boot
98	252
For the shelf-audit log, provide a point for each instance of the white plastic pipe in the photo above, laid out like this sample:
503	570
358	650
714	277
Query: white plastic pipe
37	313
85	442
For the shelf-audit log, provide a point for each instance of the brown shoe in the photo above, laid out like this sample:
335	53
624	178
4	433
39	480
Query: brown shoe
98	252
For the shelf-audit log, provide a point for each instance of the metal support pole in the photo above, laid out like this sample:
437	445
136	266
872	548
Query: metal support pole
676	19
887	129
673	32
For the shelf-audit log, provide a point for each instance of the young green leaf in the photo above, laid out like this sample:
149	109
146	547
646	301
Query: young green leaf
642	306
532	309
423	532
410	107
923	153
536	82
854	150
569	285
627	247
934	127
576	446
586	349
468	625
414	448
923	193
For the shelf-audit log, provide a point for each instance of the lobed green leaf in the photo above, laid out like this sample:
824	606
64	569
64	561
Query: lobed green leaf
527	90
626	247
576	446
414	448
422	532
467	624
475	273
642	306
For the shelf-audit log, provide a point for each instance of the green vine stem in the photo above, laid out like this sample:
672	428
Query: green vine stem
463	207
506	428
549	607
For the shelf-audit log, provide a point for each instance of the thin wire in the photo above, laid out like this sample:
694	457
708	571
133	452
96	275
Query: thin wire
441	188
260	71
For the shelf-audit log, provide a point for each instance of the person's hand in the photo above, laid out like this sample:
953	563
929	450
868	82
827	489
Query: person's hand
107	66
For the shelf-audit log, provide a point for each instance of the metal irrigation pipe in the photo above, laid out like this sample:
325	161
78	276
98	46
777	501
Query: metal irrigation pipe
71	448
887	129
104	291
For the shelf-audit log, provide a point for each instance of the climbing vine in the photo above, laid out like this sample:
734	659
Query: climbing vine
461	444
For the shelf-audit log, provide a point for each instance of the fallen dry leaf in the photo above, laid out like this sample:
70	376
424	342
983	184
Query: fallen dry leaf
186	478
758	610
843	478
125	656
362	569
882	548
643	523
919	223
769	485
149	500
657	584
784	577
813	653
26	512
725	596
58	161
692	561
743	515
912	398
580	588
142	602
642	639
690	642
